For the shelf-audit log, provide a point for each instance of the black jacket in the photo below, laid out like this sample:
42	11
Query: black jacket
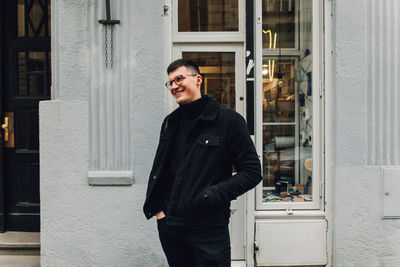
204	184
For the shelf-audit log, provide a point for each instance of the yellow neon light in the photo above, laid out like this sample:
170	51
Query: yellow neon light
271	69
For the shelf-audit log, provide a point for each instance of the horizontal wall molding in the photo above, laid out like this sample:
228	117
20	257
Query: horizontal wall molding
383	82
110	178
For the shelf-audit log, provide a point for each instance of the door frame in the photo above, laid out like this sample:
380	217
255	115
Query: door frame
2	215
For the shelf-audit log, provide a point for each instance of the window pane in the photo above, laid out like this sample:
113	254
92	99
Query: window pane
21	17
287	102
278	89
279	21
218	70
208	15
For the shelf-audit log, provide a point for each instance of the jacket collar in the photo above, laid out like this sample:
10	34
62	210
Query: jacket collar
209	113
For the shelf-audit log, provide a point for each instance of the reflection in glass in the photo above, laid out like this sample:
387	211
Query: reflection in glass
218	71
33	79
278	89
36	73
208	15
21	17
22	88
287	101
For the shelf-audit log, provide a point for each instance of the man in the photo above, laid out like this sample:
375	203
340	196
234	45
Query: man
191	182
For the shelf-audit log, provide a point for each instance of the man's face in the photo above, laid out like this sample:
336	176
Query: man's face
188	88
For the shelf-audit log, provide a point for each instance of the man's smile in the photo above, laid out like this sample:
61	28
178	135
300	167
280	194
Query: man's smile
179	91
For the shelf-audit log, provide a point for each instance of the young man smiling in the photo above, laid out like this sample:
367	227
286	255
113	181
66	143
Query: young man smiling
191	182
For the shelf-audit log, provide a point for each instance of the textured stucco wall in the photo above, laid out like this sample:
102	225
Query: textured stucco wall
360	236
84	225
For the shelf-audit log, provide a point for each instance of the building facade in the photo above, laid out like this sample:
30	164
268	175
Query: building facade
316	80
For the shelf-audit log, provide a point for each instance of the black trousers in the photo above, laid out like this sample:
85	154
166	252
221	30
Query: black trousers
195	246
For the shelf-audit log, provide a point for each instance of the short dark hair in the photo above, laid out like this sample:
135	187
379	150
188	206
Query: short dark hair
183	62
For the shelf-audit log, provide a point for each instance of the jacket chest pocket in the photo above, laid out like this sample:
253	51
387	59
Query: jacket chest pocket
209	140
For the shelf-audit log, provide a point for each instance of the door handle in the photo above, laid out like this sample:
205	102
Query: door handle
5	126
8	127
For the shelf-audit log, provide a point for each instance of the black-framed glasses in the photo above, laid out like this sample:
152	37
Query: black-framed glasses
178	80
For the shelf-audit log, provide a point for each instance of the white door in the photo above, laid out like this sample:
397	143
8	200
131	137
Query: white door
222	67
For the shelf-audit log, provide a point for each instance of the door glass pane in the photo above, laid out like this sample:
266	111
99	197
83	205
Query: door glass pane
22	88
21	17
208	15
36	14
33	19
287	101
218	71
279	18
36	73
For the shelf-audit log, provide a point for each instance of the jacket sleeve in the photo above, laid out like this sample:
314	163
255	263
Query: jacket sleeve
245	161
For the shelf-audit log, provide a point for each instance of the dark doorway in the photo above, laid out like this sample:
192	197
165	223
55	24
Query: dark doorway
24	81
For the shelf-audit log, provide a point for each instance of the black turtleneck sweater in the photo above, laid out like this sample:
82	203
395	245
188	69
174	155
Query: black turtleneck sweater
181	144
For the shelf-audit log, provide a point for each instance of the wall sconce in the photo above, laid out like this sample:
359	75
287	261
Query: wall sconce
108	23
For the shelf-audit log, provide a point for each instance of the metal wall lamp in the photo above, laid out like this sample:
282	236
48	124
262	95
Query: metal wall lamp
108	24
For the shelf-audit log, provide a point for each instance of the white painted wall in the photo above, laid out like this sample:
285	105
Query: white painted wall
84	225
364	84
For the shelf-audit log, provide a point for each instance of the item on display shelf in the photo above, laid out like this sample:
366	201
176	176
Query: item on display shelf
298	199
300	188
275	197
308	164
281	186
302	136
309	84
285	105
284	141
308	186
305	143
306	114
287	199
306	197
302	99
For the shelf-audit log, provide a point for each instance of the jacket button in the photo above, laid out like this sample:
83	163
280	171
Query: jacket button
205	195
154	177
206	142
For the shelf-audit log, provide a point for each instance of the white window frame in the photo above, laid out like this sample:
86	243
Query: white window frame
219	37
318	114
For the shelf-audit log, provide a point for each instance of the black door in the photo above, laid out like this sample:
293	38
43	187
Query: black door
25	80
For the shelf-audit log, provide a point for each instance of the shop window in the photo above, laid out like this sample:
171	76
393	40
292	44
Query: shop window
287	102
208	15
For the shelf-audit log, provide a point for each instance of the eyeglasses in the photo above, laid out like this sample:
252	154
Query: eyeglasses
178	80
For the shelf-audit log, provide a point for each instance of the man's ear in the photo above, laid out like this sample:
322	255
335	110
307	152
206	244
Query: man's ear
199	80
